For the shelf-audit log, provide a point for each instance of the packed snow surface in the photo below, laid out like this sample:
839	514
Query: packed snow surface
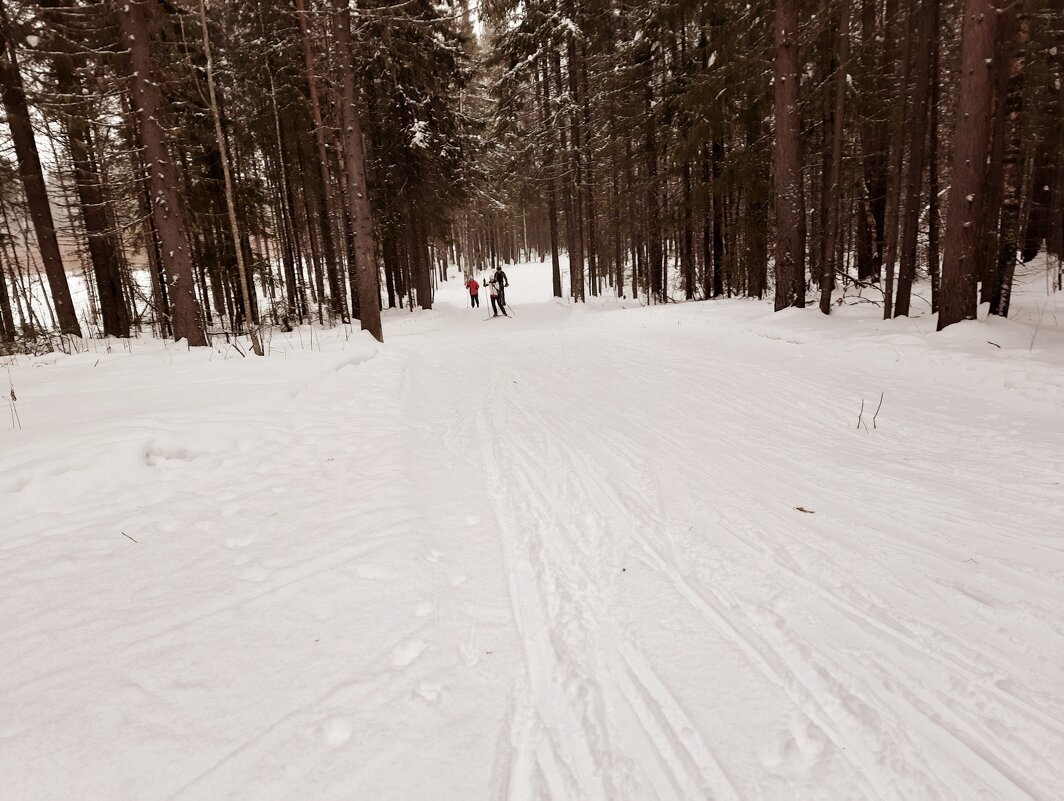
602	552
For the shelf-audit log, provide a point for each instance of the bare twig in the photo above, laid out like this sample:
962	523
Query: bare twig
128	537
880	406
1041	314
16	422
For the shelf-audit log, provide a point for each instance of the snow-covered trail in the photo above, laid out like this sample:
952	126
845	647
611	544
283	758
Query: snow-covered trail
624	473
580	554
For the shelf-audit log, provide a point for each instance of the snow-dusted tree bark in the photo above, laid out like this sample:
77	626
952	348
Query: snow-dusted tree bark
104	244
328	245
162	176
357	191
244	278
29	167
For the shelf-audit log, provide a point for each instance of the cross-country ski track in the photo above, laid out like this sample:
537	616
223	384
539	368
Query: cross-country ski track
583	553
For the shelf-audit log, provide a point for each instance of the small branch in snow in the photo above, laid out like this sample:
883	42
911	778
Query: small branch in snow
880	406
860	414
128	537
12	399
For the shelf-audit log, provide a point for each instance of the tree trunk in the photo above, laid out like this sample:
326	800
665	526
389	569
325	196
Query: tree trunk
588	175
104	245
549	167
247	289
7	321
1013	110
29	168
717	151
971	137
687	255
655	255
993	193
925	29
337	295
831	237
787	165
900	96
874	135
934	204
162	176
576	266
369	295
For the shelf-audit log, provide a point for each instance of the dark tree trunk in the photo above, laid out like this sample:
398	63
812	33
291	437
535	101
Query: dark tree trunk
337	304
162	177
834	176
29	168
790	255
971	138
104	246
550	167
687	254
925	30
874	135
756	195
655	255
576	266
993	194
357	192
717	150
934	205
1009	238
900	96
7	321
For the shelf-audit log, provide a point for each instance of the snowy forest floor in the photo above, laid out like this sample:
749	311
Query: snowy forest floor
585	553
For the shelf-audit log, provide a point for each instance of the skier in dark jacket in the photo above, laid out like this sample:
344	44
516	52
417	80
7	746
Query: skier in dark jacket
495	290
500	282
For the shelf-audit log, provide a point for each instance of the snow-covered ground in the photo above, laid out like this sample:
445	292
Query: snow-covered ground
585	553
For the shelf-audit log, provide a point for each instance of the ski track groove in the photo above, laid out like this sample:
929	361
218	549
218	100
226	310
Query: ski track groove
621	684
934	725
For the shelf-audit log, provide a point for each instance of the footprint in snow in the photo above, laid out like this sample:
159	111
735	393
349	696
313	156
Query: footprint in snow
469	652
376	572
433	555
336	731
795	752
239	541
407	652
429	690
424	609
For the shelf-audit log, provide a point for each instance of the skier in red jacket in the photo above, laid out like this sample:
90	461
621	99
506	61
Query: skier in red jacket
474	290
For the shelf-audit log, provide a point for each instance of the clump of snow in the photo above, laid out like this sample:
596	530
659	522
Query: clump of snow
420	135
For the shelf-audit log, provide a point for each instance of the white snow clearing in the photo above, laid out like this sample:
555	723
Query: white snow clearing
584	553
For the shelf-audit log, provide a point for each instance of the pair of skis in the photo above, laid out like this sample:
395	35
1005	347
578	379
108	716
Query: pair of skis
508	313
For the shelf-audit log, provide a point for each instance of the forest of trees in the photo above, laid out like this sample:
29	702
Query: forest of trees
216	166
